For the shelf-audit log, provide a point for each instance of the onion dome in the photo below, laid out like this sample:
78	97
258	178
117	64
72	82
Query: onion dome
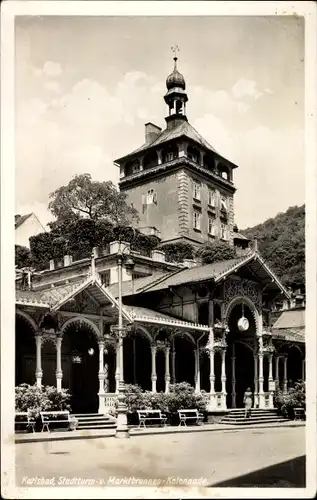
175	79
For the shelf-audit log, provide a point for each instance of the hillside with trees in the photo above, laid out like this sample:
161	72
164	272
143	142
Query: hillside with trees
281	242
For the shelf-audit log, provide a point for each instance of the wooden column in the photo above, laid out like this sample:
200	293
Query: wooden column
285	374
223	378
277	376
233	379
197	371
38	372
256	381
101	376
167	369
153	375
59	372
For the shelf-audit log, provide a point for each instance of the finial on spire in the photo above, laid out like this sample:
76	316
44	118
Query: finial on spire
175	49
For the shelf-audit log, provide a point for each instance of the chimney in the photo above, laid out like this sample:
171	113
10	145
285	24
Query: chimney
68	259
255	244
151	132
52	265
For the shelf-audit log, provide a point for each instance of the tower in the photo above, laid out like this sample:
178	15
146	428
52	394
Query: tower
181	186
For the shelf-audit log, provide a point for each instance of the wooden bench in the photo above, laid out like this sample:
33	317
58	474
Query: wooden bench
55	417
151	417
191	415
23	419
299	413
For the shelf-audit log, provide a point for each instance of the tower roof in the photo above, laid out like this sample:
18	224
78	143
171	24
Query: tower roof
182	129
175	79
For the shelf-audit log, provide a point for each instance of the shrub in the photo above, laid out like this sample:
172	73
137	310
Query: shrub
294	398
35	399
31	398
182	396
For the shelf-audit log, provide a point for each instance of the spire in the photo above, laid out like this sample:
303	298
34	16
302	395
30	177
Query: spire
176	96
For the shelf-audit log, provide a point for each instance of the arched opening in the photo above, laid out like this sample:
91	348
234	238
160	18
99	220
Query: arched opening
25	352
209	162
150	160
239	357
193	154
132	167
224	171
294	366
170	153
80	364
137	361
184	360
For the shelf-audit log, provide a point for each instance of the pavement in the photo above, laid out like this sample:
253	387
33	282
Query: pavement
24	437
253	457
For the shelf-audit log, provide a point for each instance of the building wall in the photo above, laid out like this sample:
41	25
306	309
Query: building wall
162	214
30	227
172	213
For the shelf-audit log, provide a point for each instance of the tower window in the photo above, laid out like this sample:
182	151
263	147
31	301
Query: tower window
193	154
196	220
196	190
151	197
211	226
211	197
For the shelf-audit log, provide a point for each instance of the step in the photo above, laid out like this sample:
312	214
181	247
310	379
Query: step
93	419
251	422
79	415
109	425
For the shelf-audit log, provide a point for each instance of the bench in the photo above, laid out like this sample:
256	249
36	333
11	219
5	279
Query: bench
191	415
23	419
55	417
151	417
299	413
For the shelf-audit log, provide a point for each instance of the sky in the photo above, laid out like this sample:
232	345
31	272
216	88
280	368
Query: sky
85	87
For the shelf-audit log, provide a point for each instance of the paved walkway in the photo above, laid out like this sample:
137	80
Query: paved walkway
253	457
135	431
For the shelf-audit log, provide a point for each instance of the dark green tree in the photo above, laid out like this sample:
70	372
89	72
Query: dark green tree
211	252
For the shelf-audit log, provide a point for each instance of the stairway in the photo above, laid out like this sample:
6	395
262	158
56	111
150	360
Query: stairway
258	416
94	421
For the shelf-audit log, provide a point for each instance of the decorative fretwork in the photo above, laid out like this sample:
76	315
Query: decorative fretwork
242	288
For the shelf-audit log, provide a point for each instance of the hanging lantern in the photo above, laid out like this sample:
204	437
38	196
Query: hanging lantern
243	322
76	358
91	351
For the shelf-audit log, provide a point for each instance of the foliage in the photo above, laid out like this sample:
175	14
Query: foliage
177	252
211	252
35	399
294	398
84	198
181	396
22	256
281	242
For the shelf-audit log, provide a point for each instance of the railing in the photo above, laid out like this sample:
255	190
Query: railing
110	400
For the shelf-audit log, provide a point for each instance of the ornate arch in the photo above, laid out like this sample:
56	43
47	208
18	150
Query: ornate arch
245	344
185	334
28	318
86	321
243	300
145	333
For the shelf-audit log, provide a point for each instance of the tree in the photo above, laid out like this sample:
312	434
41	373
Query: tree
84	198
22	256
281	243
211	252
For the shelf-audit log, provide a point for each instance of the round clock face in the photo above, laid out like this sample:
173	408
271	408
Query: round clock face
243	324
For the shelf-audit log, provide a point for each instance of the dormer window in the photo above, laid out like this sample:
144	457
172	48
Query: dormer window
193	154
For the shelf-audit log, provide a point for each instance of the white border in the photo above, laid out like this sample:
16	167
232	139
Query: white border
185	8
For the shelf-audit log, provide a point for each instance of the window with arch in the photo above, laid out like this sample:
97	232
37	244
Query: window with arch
150	160
193	154
132	167
170	153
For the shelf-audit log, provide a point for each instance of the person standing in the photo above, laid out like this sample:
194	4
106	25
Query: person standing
247	400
